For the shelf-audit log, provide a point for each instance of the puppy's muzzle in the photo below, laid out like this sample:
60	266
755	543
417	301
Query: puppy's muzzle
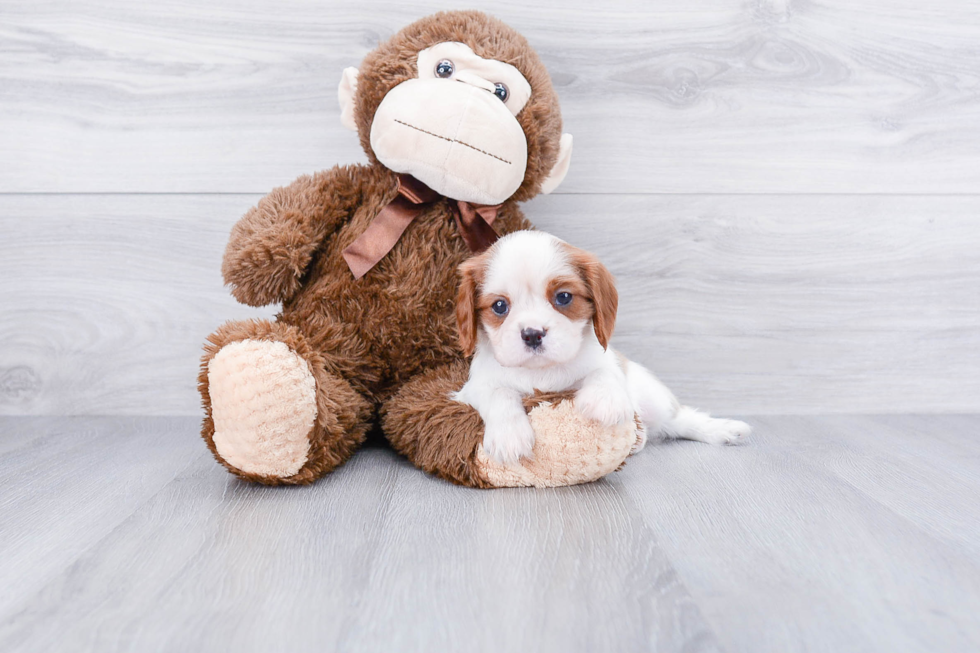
532	337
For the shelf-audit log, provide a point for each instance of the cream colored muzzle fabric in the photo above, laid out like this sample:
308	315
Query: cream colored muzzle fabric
458	139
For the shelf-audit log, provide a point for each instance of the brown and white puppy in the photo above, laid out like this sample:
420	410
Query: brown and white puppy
537	314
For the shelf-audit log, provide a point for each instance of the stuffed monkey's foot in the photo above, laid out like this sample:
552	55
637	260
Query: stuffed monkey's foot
263	402
274	414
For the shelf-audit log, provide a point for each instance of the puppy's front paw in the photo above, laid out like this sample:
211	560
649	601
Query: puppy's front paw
607	404
507	441
725	431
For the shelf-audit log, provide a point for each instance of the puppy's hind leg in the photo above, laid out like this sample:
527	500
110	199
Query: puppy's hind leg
664	416
691	424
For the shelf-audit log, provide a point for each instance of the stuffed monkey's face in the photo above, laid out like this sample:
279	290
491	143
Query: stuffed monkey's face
454	127
460	101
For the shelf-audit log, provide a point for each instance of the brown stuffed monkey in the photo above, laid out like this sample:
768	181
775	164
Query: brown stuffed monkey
460	122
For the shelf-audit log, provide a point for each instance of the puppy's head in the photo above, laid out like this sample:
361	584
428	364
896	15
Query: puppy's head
536	299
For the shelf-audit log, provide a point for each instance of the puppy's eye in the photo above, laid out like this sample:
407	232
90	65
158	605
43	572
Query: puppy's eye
563	298
445	69
501	91
500	307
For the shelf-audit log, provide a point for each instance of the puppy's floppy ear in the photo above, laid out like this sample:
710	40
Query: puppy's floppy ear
471	276
602	286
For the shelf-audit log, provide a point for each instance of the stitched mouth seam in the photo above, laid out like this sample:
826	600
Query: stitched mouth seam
452	140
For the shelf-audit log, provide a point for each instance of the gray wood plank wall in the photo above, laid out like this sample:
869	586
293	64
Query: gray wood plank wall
789	192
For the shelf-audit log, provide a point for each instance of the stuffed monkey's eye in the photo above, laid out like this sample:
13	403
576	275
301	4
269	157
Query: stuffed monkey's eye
563	298
501	91
445	69
500	307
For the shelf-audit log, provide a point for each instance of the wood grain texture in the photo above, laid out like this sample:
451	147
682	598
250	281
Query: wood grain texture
786	550
67	485
793	304
815	535
107	301
733	96
577	569
763	304
375	557
927	473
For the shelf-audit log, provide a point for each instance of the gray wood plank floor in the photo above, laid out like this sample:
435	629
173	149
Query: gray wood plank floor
819	534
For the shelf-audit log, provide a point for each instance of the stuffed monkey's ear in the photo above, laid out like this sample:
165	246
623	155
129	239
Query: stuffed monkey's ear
471	274
560	169
345	94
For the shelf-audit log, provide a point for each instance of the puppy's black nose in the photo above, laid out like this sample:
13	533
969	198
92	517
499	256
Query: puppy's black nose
532	337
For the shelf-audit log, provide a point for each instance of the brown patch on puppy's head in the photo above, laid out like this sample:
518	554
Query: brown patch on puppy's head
601	289
395	62
471	273
580	306
485	312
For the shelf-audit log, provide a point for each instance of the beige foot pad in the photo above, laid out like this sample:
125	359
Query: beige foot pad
568	449
263	403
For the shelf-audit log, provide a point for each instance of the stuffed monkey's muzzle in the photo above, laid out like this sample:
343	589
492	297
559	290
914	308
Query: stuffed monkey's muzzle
458	139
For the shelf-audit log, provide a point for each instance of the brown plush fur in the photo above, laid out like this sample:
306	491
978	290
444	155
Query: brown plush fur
442	437
342	414
366	339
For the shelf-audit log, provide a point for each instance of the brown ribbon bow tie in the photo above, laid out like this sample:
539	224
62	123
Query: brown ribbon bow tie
473	220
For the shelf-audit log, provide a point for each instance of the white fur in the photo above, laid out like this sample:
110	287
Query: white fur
504	369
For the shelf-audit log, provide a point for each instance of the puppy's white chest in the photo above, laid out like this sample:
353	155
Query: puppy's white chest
527	381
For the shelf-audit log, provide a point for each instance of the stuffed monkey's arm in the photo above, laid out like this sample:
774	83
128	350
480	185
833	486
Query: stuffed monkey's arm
272	245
